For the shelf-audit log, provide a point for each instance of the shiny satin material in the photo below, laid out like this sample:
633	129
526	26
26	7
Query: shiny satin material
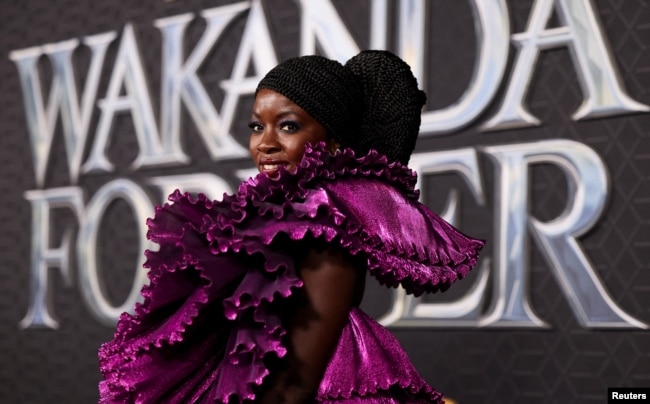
209	315
367	362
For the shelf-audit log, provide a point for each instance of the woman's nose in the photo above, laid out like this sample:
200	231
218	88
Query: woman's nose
268	142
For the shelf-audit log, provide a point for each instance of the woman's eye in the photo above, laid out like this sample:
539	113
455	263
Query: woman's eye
289	127
256	127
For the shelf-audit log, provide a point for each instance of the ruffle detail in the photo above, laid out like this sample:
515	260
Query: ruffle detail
208	317
205	324
340	196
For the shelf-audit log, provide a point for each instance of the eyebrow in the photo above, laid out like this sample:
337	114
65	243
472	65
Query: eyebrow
280	115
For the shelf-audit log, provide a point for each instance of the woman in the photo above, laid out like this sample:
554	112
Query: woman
256	297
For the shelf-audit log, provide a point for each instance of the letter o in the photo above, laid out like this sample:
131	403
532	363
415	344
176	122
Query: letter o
90	285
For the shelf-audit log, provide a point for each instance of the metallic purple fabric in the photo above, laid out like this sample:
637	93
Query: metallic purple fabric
209	315
367	362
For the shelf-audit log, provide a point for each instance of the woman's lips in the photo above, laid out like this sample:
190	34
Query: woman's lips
271	167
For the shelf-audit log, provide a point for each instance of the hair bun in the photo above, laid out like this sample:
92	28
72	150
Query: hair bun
392	104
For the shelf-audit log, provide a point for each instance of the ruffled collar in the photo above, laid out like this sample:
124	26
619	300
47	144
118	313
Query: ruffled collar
318	164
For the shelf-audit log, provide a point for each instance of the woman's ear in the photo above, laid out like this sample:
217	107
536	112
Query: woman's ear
332	145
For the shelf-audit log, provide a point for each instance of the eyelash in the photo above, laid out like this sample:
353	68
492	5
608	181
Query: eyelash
293	126
255	127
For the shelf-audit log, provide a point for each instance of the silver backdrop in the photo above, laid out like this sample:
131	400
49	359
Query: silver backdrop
534	138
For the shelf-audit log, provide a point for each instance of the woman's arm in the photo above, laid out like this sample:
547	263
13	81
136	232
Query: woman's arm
314	327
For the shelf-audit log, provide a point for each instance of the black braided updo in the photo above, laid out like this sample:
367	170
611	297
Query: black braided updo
373	102
392	104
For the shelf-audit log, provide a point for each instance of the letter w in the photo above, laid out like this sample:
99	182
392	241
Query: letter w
75	117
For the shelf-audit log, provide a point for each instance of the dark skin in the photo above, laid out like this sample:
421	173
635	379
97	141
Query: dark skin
314	326
332	283
280	129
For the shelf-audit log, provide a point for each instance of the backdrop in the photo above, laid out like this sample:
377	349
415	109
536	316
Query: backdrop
534	137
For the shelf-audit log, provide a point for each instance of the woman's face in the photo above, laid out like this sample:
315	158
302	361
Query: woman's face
279	131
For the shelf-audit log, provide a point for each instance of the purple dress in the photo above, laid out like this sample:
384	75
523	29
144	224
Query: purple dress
209	315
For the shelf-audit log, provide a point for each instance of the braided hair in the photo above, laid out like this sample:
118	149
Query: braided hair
371	102
392	104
